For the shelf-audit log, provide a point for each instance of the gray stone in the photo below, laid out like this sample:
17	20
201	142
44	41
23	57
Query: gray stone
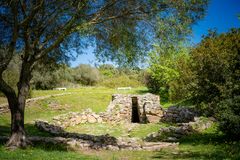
91	119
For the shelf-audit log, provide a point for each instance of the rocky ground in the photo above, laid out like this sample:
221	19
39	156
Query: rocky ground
85	141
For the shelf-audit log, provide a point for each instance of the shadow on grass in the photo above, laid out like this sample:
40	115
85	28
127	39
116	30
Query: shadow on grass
191	155
204	146
42	146
31	130
59	141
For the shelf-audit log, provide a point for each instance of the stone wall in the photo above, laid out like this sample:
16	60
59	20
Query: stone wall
149	108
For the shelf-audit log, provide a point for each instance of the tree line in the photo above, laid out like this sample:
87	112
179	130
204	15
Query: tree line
62	75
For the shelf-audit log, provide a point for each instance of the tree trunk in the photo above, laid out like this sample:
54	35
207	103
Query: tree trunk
18	137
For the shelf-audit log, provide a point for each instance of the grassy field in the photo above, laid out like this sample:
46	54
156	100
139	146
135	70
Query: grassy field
209	144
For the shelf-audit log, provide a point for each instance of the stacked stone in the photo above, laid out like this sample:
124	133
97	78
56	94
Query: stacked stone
75	118
120	106
148	105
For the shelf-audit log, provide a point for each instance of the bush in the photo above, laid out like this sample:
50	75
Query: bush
108	70
229	116
86	75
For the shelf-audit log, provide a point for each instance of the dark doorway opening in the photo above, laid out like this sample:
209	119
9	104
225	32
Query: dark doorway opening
135	112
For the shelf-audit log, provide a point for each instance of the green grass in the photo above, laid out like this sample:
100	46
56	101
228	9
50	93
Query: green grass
142	130
99	129
209	144
42	152
117	130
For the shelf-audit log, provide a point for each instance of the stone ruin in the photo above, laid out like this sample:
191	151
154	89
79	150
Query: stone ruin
136	108
123	108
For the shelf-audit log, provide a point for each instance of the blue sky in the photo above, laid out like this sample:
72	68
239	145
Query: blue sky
221	14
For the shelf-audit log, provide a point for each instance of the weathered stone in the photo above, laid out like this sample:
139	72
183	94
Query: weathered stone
111	147
148	105
176	114
91	119
119	110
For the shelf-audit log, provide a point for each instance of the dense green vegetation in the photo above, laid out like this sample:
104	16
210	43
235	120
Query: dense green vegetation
206	76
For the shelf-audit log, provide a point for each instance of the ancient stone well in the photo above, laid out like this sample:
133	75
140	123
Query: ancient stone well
136	108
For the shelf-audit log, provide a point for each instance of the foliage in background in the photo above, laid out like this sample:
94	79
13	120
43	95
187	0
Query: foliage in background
86	74
208	76
50	77
216	65
108	70
113	77
165	71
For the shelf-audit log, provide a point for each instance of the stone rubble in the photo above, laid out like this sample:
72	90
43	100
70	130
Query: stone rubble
75	118
77	141
174	133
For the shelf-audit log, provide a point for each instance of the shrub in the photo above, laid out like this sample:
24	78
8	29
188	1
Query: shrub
229	116
86	75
